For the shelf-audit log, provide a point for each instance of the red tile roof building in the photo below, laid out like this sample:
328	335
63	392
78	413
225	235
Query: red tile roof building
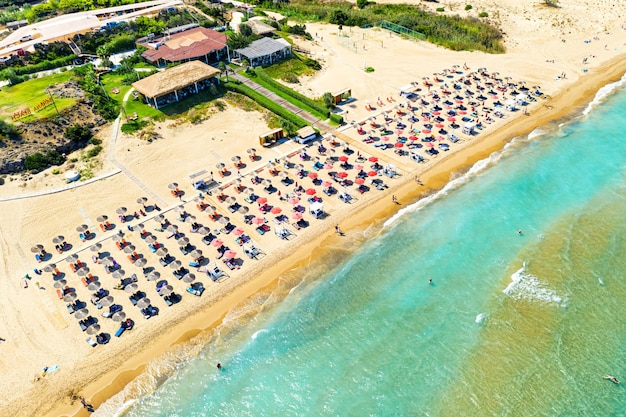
194	44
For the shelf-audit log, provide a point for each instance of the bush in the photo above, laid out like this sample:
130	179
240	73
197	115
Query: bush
336	118
78	133
290	78
483	14
39	161
468	7
369	69
441	9
93	152
329	100
8	131
95	141
133	126
42	66
265	102
311	63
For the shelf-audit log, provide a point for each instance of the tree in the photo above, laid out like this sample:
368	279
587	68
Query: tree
78	133
338	17
288	126
551	3
246	64
361	3
223	69
329	100
245	30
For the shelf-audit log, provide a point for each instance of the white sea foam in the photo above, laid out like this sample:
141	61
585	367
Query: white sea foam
537	132
480	319
475	170
258	332
603	93
528	287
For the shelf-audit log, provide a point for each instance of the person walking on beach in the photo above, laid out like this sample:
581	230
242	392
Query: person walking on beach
219	365
519	232
86	405
394	199
338	230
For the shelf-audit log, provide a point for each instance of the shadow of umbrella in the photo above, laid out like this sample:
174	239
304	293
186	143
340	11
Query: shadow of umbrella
82	313
131	288
37	248
82	271
118	274
58	239
161	251
153	276
119	316
60	283
106	301
69	297
141	262
49	268
93	329
167	290
93	286
176	264
189	278
143	303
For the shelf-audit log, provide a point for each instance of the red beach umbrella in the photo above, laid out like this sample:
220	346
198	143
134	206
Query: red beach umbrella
297	216
451	119
217	243
312	175
261	200
413	138
230	254
426	131
399	131
342	174
441	138
462	112
359	167
398	144
258	220
327	184
436	113
430	145
439	125
293	200
373	159
238	231
276	210
343	158
328	166
359	181
372	174
311	191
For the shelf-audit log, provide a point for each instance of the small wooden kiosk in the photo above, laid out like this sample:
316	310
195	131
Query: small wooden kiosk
339	95
271	137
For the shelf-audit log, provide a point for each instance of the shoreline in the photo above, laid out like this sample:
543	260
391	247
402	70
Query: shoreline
566	105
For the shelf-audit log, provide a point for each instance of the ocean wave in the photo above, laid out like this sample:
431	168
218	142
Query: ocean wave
603	93
528	287
475	170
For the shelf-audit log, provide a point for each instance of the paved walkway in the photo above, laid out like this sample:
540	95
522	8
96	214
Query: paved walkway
314	121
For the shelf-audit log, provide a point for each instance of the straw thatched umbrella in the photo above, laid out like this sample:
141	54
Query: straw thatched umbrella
220	165
102	218
82	313
93	329
189	278
248	191
251	151
183	241
172	185
118	273
117	237
204	231
119	316
139	226
190	219
37	248
179	209
107	301
49	268
131	288
172	228
161	251
58	239
150	239
160	218
82	271
95	247
108	260
167	290
141	262
243	210
223	220
60	283
121	210
235	158
69	297
93	286
142	200
197	199
143	303
71	258
82	228
153	276
196	253
230	200
129	249
210	209
176	264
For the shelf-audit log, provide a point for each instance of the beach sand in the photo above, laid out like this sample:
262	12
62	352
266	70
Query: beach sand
39	332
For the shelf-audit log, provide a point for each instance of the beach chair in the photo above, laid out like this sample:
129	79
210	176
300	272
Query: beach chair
91	342
215	273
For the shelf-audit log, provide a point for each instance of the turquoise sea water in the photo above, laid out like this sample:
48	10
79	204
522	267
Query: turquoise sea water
511	325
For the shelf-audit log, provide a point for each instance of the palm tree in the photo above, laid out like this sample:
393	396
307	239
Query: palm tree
223	68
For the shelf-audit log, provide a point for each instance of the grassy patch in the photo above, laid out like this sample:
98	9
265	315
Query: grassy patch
30	93
288	66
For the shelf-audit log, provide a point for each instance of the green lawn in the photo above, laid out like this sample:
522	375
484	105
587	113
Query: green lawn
288	66
111	81
29	94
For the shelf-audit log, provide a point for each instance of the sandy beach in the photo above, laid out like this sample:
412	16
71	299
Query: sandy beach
38	331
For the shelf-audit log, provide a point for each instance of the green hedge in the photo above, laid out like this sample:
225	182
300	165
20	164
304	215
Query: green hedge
292	93
336	118
42	66
237	87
